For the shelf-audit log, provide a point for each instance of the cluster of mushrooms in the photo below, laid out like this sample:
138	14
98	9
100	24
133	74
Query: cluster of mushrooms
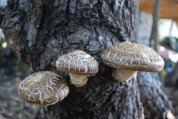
47	88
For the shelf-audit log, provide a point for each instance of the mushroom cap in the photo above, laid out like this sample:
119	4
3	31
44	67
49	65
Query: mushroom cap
43	88
77	62
132	56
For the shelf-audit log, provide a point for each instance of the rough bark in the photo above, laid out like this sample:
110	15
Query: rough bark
110	101
153	97
40	31
172	78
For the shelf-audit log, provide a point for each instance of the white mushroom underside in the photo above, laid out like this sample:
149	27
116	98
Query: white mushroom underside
123	75
78	80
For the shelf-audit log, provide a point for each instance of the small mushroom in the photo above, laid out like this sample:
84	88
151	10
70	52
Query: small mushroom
79	65
127	58
43	88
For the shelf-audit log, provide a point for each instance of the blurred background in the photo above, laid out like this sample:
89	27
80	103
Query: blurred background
156	26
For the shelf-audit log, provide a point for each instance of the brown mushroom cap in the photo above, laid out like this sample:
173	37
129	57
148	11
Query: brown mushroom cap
132	56
77	62
43	88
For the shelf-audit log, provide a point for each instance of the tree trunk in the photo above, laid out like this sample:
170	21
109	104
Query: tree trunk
154	31
40	31
172	78
156	103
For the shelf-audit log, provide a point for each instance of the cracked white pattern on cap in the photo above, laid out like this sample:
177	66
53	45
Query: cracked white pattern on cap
132	56
78	62
43	88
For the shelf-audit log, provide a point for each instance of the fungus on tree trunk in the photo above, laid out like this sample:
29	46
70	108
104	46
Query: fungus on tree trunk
127	58
79	64
43	88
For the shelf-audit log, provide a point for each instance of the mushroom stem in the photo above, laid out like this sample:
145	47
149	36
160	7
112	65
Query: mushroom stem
78	80
121	75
